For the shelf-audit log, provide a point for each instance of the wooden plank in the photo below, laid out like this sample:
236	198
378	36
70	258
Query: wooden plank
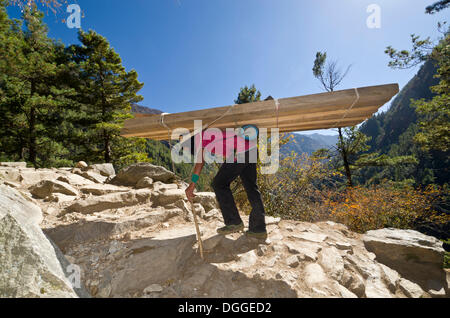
299	126
263	120
287	106
311	120
316	110
353	118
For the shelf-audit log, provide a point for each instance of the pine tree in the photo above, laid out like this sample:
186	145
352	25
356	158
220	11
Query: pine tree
438	6
434	124
352	144
31	95
434	114
51	4
331	76
9	44
355	145
106	90
248	95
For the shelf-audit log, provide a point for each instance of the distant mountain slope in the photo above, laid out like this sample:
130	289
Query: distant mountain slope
393	133
386	128
325	139
138	109
308	143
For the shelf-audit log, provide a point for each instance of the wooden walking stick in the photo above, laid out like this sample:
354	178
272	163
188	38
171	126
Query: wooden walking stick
199	237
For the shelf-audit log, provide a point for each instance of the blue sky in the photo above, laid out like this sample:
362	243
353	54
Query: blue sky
194	54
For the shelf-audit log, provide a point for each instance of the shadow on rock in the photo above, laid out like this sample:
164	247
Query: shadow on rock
224	249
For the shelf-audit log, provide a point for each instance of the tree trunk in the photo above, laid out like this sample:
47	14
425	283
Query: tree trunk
107	148
32	155
345	159
106	136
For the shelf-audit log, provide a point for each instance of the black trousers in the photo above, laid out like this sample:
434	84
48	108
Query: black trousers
221	184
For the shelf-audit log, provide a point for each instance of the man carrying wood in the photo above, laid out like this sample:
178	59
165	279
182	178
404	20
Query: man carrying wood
239	154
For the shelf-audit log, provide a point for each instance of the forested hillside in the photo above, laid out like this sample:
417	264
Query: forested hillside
308	143
393	132
386	128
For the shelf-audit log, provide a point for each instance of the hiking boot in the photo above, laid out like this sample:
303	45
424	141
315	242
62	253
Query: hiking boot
229	229
256	235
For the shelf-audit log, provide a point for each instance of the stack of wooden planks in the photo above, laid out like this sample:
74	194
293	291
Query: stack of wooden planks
319	111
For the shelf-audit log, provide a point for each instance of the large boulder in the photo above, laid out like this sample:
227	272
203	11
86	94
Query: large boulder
110	201
131	175
154	260
9	174
75	180
410	289
92	176
105	169
81	165
416	256
145	182
27	176
164	198
84	231
158	186
32	176
45	188
207	200
30	264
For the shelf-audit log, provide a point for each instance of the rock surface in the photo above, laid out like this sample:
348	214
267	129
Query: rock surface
13	164
105	169
142	243
92	176
101	189
207	200
81	165
45	188
131	175
109	201
413	254
75	180
26	176
145	182
29	263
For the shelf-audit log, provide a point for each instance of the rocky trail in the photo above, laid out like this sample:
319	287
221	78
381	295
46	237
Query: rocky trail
132	235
